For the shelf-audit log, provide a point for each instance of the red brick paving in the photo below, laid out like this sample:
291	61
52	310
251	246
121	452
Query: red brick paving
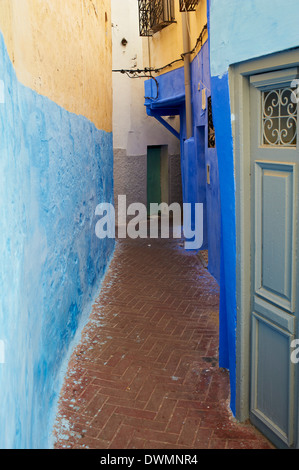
145	375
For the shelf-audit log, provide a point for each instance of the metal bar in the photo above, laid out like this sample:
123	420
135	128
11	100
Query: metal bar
168	126
188	5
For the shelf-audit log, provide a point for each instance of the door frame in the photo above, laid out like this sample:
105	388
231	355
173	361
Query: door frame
240	108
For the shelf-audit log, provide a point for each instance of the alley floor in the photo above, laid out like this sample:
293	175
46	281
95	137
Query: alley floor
145	374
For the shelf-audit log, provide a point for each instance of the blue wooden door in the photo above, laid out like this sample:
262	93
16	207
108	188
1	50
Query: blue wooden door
274	283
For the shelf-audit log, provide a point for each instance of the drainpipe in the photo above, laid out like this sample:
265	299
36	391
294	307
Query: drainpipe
186	47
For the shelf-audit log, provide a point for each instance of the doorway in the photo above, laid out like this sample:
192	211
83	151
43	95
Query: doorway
158	177
267	158
153	178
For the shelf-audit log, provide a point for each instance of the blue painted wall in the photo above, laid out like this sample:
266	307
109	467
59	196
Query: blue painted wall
228	308
55	168
200	78
238	33
250	29
195	154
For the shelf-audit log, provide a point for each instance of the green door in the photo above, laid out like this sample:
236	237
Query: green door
153	177
274	292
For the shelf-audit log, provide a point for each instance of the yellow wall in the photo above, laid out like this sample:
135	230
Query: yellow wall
62	50
167	45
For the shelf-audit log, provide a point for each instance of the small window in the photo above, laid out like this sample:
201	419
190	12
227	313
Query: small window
211	130
279	118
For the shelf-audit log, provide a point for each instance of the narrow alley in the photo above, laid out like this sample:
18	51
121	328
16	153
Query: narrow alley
145	374
115	114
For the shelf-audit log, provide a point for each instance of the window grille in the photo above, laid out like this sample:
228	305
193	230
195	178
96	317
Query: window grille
188	5
279	118
155	15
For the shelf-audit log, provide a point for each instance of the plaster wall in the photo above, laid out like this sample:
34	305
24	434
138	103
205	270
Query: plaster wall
133	130
58	49
257	28
56	166
167	44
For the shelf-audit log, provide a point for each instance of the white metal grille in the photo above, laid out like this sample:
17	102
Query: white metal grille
279	121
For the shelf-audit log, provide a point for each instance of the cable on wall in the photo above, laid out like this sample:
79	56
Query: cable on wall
147	71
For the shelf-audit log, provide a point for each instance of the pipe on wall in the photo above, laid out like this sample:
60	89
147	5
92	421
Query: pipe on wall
186	47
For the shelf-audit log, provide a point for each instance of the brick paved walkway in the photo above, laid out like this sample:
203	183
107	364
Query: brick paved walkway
145	374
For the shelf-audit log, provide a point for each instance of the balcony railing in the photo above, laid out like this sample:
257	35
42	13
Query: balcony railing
155	15
188	5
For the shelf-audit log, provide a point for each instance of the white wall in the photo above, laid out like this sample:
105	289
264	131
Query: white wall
133	130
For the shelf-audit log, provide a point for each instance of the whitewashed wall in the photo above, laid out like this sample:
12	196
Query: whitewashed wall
133	130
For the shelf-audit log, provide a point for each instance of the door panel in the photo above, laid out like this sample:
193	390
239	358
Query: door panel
275	244
272	399
274	159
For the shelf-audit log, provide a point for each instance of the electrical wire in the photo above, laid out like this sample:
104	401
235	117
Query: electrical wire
148	71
